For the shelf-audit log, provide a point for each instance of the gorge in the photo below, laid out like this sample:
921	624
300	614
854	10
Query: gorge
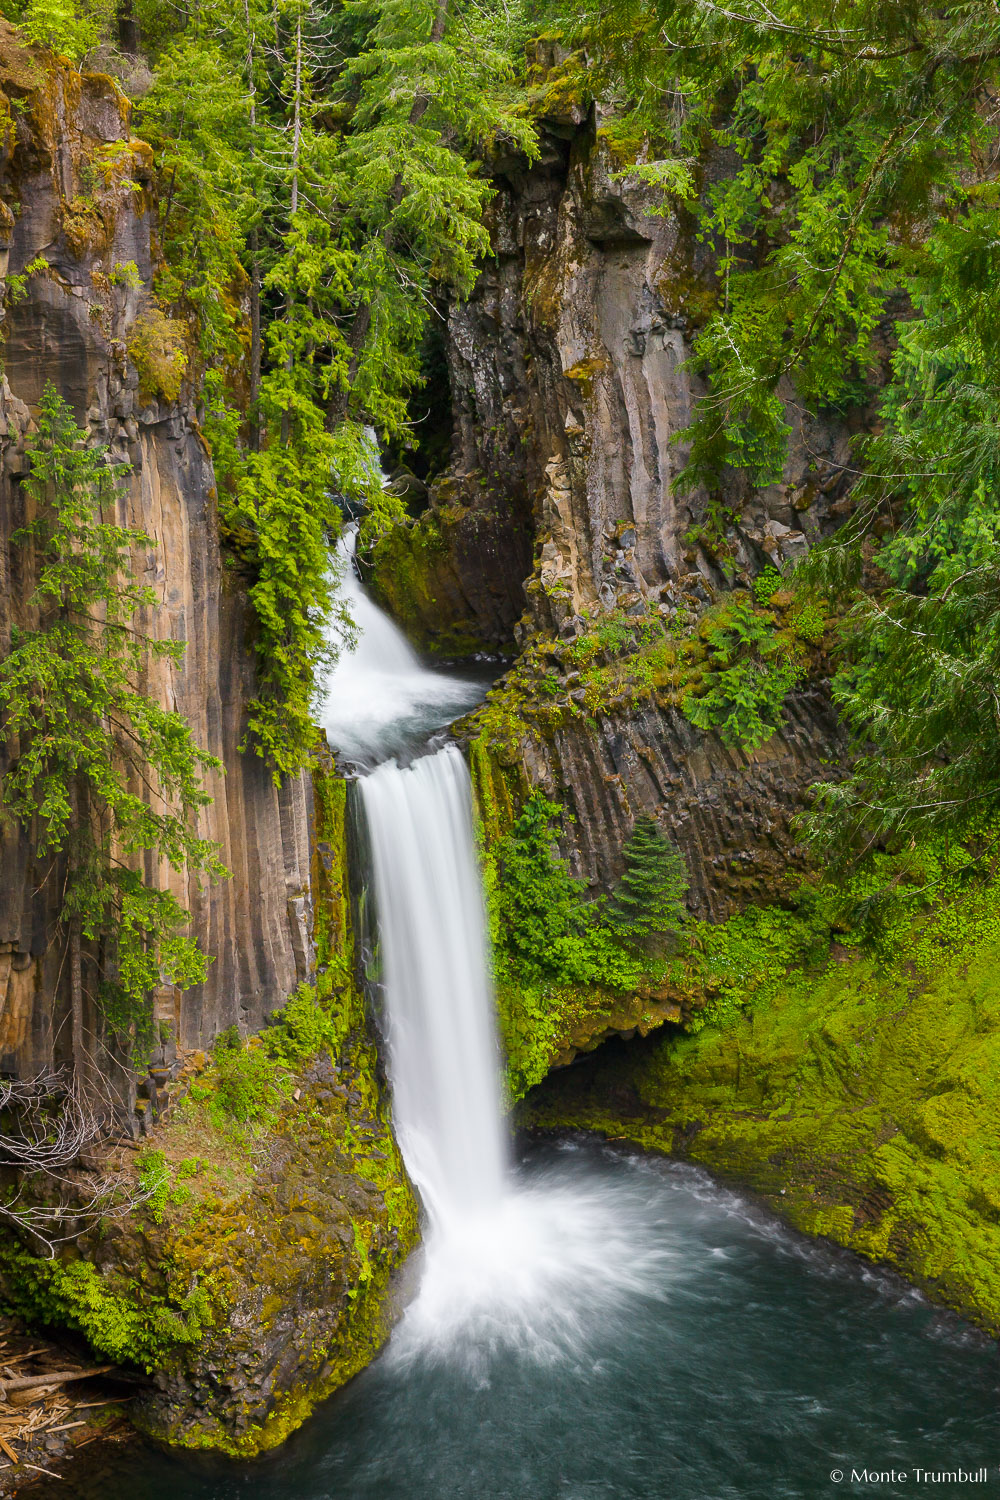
498	957
579	1322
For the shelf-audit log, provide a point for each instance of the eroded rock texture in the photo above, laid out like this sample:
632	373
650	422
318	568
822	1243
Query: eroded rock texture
568	396
727	810
75	189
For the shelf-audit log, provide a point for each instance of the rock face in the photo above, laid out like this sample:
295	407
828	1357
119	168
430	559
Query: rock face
262	1280
304	1264
74	186
727	810
569	394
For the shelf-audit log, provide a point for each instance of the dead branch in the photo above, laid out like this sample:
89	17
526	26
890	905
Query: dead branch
61	1377
53	1119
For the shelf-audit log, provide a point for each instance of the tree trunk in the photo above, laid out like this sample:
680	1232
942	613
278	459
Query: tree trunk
76	950
128	28
296	149
255	341
254	247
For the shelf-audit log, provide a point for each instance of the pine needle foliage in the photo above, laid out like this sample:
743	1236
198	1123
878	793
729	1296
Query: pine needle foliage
923	699
809	140
106	781
649	899
922	643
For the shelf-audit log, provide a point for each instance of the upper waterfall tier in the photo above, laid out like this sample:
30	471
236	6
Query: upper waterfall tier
379	700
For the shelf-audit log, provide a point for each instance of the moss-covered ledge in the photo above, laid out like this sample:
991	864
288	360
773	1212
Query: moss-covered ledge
257	1276
860	1101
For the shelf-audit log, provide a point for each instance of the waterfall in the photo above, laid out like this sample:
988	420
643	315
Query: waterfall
443	1057
379	700
506	1264
443	1054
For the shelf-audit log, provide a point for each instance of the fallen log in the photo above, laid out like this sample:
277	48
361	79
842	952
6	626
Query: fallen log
58	1377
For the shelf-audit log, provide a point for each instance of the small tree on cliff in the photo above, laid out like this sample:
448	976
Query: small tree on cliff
649	900
98	771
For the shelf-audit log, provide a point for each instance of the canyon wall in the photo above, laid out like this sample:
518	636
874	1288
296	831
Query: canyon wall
75	190
569	393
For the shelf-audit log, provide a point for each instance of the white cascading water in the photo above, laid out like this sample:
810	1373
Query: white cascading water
442	1051
378	694
505	1264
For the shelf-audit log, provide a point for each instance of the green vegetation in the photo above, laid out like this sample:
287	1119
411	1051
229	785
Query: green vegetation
73	700
564	963
649	901
917	685
727	669
222	1241
156	345
248	1084
856	1092
135	1330
845	127
68	28
318	165
544	928
750	671
854	263
244	1083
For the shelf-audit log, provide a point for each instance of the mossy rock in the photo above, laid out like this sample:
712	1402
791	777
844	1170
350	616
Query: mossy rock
860	1102
262	1281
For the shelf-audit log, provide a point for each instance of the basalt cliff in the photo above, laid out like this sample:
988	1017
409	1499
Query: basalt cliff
260	1287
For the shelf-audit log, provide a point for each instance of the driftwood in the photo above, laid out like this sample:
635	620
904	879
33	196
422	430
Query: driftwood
58	1377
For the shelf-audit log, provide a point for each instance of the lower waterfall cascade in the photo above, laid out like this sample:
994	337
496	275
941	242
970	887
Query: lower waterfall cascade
502	1264
443	1052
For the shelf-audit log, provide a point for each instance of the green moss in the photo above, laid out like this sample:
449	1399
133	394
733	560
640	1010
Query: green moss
414	577
329	876
859	1097
557	90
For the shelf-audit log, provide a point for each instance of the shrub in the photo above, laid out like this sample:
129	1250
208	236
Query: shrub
751	668
246	1085
766	585
302	1028
154	1179
156	347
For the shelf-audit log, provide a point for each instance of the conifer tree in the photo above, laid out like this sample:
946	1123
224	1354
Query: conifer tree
97	771
649	899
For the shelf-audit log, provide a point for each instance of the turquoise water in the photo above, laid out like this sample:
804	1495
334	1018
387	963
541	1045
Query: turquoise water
705	1353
